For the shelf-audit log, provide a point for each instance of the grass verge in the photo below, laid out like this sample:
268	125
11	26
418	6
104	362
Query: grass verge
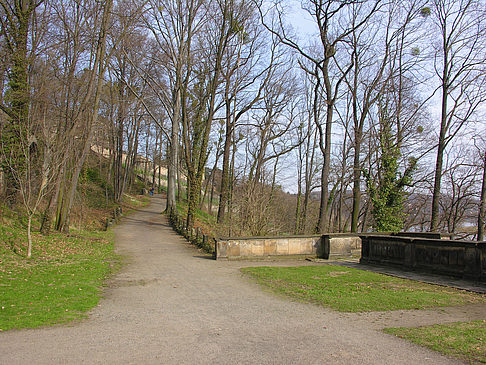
464	340
60	283
352	290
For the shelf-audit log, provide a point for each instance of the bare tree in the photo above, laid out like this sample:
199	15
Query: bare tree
221	30
393	31
90	109
458	205
34	176
459	66
174	25
325	60
307	166
242	72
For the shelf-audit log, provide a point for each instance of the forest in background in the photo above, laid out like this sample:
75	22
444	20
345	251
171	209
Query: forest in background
375	122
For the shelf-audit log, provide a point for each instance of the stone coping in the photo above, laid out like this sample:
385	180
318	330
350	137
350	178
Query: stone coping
430	241
267	237
416	235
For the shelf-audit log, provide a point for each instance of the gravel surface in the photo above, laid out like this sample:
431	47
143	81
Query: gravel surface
171	304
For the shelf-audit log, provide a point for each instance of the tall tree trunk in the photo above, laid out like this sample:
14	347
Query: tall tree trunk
309	171
118	156
154	159
160	161
210	203
173	170
482	204
322	223
434	219
225	176
231	185
356	182
145	167
298	213
193	199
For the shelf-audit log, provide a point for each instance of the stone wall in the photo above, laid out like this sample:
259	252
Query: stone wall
432	235
261	247
457	258
339	244
348	244
326	246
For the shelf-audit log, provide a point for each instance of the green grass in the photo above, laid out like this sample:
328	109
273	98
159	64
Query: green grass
351	290
464	340
61	282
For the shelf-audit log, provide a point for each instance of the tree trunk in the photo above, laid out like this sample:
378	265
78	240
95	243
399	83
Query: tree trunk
173	171
225	176
434	219
145	167
322	223
211	196
193	200
118	175
29	236
298	212
482	204
356	183
154	159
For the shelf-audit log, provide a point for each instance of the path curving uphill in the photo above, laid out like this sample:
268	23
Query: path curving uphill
172	305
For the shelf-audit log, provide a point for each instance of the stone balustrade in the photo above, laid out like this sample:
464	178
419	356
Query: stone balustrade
464	259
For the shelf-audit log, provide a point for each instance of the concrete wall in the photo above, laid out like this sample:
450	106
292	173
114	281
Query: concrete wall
457	258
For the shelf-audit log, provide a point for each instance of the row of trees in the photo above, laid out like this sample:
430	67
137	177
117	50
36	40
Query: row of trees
236	101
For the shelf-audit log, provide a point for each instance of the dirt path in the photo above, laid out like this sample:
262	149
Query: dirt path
172	305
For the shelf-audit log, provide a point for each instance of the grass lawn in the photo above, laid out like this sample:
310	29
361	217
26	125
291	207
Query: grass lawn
352	290
61	282
465	340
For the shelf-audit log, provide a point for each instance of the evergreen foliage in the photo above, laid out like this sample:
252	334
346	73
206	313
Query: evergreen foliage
386	190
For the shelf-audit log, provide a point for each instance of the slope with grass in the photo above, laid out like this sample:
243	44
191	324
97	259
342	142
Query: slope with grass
63	278
59	283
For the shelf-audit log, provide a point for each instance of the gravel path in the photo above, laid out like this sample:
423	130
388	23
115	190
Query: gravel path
172	305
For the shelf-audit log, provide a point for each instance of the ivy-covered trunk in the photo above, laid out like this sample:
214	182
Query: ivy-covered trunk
16	31
386	190
194	186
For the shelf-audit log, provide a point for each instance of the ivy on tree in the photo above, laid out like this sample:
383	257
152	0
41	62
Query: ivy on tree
386	189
